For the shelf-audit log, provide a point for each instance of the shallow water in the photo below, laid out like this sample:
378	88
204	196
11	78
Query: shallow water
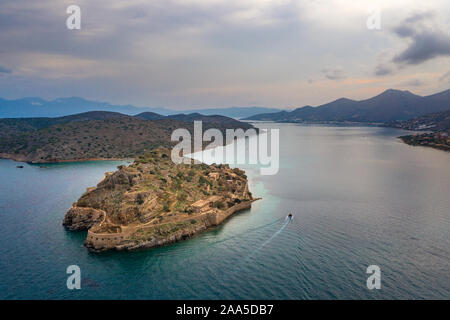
359	197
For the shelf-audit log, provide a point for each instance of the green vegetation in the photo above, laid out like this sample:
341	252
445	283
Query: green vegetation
93	135
437	140
154	189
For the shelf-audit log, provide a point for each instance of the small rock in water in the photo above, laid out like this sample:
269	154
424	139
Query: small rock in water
20	167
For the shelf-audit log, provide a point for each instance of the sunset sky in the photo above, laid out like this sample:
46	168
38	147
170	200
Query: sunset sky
220	53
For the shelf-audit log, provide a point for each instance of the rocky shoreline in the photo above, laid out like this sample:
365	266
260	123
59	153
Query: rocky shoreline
184	234
22	158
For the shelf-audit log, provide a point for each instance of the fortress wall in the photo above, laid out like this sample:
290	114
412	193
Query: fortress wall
221	216
98	240
111	240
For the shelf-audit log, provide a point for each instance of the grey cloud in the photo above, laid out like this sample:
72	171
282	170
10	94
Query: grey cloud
413	83
404	31
333	73
425	46
410	24
176	52
420	16
426	40
383	70
5	70
445	77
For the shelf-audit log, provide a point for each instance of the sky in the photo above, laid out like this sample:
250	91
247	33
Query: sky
185	54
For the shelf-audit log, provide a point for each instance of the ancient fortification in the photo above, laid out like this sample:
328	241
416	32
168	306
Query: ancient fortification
154	202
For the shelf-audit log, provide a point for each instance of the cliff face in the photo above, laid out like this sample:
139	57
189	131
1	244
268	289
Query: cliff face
154	202
78	219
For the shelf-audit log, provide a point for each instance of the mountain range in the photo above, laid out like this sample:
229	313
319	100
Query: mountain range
38	107
391	105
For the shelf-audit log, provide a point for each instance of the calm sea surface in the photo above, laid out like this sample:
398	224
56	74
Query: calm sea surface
359	197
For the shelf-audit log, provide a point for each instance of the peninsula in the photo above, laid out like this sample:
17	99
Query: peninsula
154	202
433	128
97	135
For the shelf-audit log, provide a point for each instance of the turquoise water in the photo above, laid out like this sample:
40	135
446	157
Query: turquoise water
359	197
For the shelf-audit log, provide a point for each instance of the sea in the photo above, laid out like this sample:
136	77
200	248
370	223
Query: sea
358	195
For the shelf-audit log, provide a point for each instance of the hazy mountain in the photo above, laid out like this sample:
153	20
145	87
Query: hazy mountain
233	112
37	107
388	106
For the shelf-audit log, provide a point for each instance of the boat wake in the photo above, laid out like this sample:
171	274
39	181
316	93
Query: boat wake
285	224
245	233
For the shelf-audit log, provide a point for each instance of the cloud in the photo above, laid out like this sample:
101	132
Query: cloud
5	70
445	77
333	73
180	53
427	40
383	70
413	83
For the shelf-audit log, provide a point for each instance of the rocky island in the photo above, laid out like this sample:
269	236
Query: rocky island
154	202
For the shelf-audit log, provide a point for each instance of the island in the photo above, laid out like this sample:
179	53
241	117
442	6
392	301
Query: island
154	202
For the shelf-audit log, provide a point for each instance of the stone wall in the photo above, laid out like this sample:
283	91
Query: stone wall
105	241
218	217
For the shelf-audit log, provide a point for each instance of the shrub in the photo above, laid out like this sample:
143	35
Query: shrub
180	175
139	199
220	205
182	197
202	180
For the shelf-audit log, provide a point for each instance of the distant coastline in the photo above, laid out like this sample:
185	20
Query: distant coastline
23	159
438	141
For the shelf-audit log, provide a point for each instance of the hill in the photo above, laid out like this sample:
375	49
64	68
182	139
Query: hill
391	105
191	117
150	116
233	112
439	121
93	135
13	126
217	120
